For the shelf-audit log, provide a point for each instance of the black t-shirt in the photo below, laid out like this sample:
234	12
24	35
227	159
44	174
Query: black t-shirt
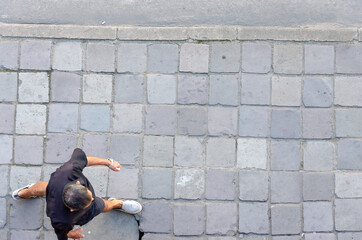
61	218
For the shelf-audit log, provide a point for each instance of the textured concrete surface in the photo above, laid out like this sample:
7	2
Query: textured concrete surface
219	140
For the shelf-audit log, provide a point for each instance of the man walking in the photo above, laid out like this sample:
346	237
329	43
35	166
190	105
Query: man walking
70	197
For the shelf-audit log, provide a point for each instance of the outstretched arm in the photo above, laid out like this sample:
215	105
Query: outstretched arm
92	161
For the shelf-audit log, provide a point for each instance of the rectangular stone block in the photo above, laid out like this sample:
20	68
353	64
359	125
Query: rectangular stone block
318	92
253	121
318	216
285	155
288	58
220	185
157	183
28	144
256	57
65	87
127	118
252	153
192	89
286	187
318	155
192	121
100	57
35	55
4	234
189	152
95	118
253	186
128	89
30	119
160	120
318	186
349	235
7	120
59	147
95	145
286	219
156	217
123	184
348	122
158	151
348	91
319	59
348	214
161	89
97	88
319	236
33	87
132	57
194	58
226	211
163	58
255	89
24	235
220	152
348	185
189	183
67	56
9	55
4	172
189	219
318	123
6	149
22	176
253	218
25	214
3	212
286	91
224	90
8	86
125	149
349	154
225	58
348	58
222	121
98	176
63	117
151	236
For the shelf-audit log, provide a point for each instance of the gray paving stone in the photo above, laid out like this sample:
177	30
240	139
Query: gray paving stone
319	236
220	185
285	155
132	57
288	58
318	92
192	89
156	217
253	121
192	121
161	89
286	91
7	113
100	57
256	57
318	123
26	214
286	187
67	56
225	57
217	211
48	169
125	149
348	58
127	118
123	184
160	120
158	151
221	238
253	218
6	149
188	152
319	59
349	235
95	118
348	122
224	90
255	89
194	58
128	89
59	147
3	214
318	155
252	153
318	186
349	153
24	235
35	55
220	152
157	183
50	235
286	219
348	214
4	172
348	91
189	219
33	87
163	58
95	145
9	55
289	237
30	119
98	176
285	124
222	121
97	88
24	145
63	117
189	183
151	236
65	87
253	186
348	185
8	86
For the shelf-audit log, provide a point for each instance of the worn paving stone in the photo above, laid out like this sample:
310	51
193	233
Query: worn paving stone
253	218
189	183
220	152
3	214
28	144
348	185
100	57
188	152
59	147
35	55
255	89
158	151
286	91
318	216
285	124
33	87
160	120
222	121
123	184
253	121
192	121
285	155
7	113
286	219
288	58
95	145
318	155
224	90
24	235
286	187
348	58
125	149
348	214
128	88
161	89
348	122
318	92
30	119
163	58
9	55
157	183
26	214
225	58
319	236
318	123
256	57
349	235
252	153
95	118
65	87
6	149
220	185
98	176
286	237
50	235
63	117
127	118
156	217
192	89
348	154
97	88
253	186
8	86
319	59
67	56
221	238
189	219
225	211
348	91
151	236
132	57
318	186
194	58
4	172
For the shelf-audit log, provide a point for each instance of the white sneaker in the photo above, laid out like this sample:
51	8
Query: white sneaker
129	206
15	194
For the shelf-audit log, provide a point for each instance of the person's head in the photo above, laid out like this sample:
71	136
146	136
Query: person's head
77	197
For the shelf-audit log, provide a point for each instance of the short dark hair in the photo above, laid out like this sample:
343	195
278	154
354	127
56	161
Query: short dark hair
76	197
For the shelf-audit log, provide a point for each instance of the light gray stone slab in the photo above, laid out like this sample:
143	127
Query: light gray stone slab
156	217
288	58
26	214
253	186
59	147
95	118
163	58
158	151
220	152
123	184
318	123
286	219
348	122
225	58
160	120
157	183
348	58
349	154
152	236
65	87
188	152
252	153
30	119
34	87
194	58
8	86
3	214
128	88
63	117
220	185
224	90
127	118
95	145
255	89
9	55
318	155
28	144
192	121
222	121
25	235
318	92
35	55
253	121
98	176
285	155
67	56
192	89
285	124
319	59
286	91
97	88
348	91
286	187
349	235
319	236
100	57
132	57
253	218
161	89
256	57
225	211
189	219
22	176
4	185
189	183
348	185
7	121
125	149
348	214
318	186
6	146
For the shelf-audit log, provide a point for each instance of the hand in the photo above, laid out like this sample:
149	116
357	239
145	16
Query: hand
76	234
116	166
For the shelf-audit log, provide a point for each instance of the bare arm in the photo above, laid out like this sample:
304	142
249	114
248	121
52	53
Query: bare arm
92	161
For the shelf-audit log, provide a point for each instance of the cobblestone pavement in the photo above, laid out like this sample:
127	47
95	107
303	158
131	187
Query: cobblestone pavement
219	140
